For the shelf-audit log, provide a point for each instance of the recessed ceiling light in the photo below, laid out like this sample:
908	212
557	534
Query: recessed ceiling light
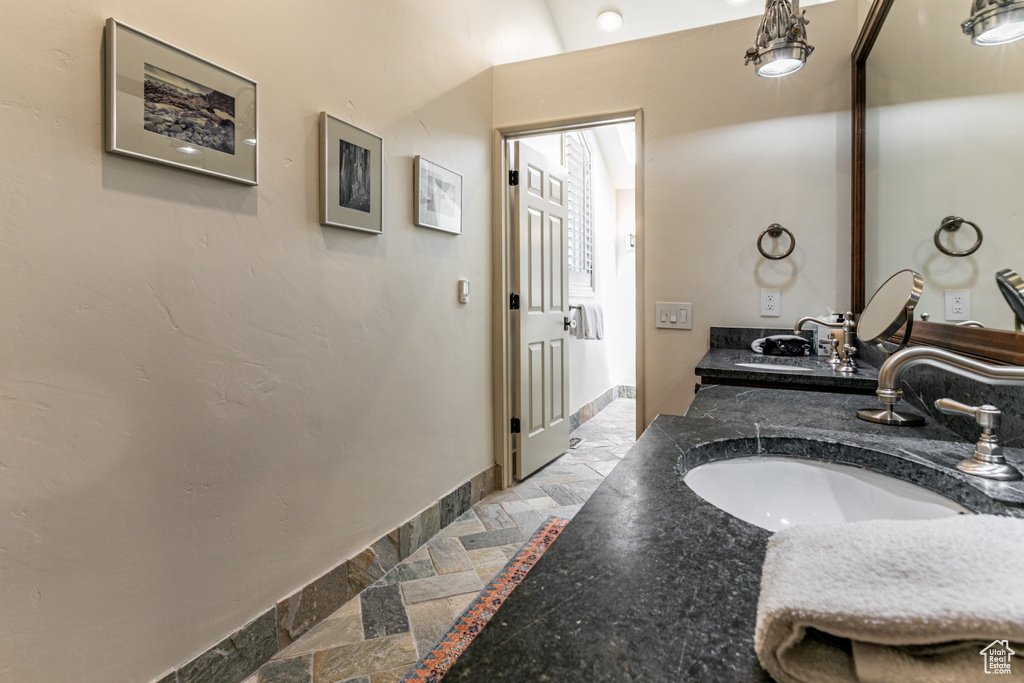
189	149
609	21
737	3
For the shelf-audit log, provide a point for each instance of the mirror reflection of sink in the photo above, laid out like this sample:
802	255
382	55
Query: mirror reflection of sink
773	367
775	492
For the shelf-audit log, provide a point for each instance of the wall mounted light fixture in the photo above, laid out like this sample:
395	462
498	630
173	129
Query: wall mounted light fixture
781	44
995	22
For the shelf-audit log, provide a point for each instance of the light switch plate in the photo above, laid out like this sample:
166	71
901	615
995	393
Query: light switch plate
674	316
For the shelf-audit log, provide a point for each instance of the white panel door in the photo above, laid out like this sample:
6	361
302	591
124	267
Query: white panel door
541	280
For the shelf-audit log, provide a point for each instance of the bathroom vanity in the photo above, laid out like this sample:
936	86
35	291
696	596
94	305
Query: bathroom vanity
731	361
651	582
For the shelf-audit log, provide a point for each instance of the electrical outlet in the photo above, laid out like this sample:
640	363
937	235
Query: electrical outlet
958	304
771	303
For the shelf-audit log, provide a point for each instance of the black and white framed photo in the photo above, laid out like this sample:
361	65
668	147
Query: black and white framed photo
438	197
351	179
168	106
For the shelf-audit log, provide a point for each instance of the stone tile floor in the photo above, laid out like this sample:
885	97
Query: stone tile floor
379	635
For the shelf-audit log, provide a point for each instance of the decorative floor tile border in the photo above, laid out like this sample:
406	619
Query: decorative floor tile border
235	658
436	663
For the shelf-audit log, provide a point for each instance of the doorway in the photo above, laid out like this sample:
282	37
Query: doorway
605	275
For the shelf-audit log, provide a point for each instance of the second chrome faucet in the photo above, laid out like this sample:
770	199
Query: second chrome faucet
847	349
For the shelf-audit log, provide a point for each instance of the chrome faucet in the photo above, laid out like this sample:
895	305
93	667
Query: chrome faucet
846	346
988	460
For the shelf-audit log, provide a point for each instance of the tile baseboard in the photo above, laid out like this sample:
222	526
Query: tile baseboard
586	412
238	656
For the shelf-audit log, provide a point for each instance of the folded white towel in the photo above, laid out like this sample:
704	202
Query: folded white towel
894	601
590	322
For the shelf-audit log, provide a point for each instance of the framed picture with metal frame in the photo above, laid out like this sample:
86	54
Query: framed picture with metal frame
168	106
351	178
438	197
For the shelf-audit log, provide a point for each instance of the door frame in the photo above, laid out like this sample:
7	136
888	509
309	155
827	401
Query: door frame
500	271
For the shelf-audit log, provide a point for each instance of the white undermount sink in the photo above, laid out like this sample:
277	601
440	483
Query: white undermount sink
775	492
774	368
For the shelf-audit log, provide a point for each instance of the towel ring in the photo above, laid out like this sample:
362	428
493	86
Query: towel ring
952	224
775	231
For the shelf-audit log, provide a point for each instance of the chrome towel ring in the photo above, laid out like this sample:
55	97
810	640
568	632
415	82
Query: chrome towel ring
775	231
952	224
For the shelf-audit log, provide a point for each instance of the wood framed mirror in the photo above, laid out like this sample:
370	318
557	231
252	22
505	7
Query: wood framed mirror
998	345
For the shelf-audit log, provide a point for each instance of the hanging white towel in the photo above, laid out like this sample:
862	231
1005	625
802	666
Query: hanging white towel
577	329
890	600
590	322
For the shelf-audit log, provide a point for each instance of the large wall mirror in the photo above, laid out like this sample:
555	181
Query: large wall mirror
939	133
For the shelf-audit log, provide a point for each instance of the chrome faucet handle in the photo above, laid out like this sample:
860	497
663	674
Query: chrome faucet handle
849	350
833	351
988	460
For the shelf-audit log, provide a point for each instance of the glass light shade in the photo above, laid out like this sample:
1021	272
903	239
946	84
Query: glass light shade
609	21
996	23
780	67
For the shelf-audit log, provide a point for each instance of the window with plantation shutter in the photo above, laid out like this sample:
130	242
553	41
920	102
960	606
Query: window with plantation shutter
581	218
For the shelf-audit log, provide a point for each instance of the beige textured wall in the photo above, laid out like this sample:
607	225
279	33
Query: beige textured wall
206	399
726	154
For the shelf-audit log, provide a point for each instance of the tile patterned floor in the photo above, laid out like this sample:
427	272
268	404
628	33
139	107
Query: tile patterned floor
377	636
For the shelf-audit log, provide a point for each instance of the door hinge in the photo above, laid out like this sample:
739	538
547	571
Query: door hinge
513	302
513	178
515	425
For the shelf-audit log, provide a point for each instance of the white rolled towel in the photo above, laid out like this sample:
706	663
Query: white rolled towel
901	601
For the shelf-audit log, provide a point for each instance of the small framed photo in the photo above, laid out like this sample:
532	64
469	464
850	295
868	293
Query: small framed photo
438	197
168	106
351	178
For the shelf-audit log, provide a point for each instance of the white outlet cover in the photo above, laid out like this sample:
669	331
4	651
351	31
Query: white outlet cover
771	303
958	304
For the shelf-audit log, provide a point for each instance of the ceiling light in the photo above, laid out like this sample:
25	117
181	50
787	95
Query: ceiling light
609	21
189	149
780	47
995	22
737	3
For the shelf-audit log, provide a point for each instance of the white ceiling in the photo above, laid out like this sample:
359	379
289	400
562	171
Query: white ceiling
576	20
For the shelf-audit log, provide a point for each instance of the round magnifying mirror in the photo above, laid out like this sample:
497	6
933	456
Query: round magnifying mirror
1012	287
890	307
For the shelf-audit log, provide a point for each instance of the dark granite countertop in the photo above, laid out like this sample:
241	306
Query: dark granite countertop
719	363
650	582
